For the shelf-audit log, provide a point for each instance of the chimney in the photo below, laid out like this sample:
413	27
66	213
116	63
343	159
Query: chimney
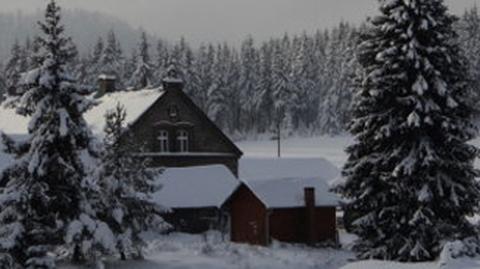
311	228
106	84
172	81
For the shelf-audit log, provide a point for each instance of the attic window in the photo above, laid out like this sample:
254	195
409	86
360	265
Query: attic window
172	111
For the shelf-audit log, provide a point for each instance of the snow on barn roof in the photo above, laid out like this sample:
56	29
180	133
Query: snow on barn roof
196	187
290	192
135	102
280	183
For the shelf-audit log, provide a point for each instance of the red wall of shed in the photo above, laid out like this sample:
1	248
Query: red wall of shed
248	216
289	224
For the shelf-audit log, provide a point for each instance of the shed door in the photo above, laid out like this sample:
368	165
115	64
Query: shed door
248	219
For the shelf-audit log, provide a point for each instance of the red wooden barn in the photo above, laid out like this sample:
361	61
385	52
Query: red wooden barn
287	210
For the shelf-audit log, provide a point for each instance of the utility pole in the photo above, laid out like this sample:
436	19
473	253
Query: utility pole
279	143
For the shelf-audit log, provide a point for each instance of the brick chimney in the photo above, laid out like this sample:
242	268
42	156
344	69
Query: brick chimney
172	81
106	84
311	229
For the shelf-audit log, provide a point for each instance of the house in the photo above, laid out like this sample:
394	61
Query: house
172	129
195	197
174	134
277	202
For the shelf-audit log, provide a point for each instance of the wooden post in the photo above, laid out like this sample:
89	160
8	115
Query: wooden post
310	215
279	143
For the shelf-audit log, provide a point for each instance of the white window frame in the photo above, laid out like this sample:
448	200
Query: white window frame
182	140
164	142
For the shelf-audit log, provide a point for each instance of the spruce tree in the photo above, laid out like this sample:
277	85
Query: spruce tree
48	199
127	186
410	180
111	62
142	77
14	68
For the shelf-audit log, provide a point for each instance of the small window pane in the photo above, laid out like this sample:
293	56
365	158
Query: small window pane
182	141
163	141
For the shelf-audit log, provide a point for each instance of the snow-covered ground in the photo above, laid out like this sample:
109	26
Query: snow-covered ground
330	148
212	251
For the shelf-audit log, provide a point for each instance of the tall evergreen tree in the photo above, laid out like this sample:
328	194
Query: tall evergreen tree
128	186
248	83
410	179
14	68
112	62
48	198
162	61
94	64
142	76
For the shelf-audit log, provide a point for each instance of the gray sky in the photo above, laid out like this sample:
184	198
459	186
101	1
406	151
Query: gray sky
230	20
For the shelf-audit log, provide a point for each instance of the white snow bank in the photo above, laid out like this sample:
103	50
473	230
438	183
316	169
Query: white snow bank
374	264
135	103
195	187
209	251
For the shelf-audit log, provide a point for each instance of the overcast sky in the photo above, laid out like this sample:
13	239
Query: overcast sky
230	20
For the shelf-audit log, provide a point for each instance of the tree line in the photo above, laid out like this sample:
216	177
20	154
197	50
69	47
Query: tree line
302	83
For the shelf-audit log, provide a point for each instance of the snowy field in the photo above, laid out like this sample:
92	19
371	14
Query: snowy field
330	148
211	251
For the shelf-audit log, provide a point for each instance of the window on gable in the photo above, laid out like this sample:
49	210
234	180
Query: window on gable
172	111
163	141
182	141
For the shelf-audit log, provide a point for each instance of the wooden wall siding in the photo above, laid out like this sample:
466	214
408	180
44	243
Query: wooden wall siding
288	225
196	220
204	136
249	222
326	223
248	217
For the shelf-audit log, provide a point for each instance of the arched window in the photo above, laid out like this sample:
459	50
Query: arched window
163	140
182	140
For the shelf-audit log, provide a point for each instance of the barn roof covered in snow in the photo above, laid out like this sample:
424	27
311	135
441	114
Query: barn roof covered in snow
135	102
280	183
196	187
290	192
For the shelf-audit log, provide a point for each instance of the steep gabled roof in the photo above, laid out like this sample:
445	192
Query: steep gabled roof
205	119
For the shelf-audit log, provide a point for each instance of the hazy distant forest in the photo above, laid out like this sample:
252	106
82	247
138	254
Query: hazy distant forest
303	83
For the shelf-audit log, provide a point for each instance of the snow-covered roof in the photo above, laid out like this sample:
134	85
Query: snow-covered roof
280	183
290	192
196	187
135	102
